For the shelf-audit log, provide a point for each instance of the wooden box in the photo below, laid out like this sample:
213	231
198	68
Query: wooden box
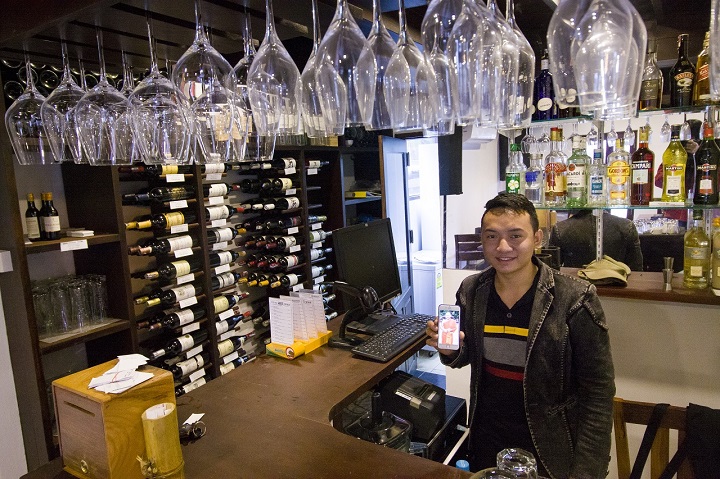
101	434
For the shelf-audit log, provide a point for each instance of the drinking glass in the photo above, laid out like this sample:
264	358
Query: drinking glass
629	136
103	121
529	142
490	83
445	108
438	22
464	42
382	46
309	94
525	83
543	143
61	307
43	311
520	463
207	80
98	294
410	88
160	116
273	83
24	125
491	473
258	147
79	292
346	73
58	115
128	81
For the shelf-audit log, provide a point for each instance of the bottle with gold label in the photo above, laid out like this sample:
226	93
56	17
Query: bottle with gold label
618	175
674	160
701	90
555	171
696	266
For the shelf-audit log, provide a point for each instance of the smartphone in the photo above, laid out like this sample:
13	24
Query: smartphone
448	326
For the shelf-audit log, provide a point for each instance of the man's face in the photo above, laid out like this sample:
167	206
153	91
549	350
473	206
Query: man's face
508	240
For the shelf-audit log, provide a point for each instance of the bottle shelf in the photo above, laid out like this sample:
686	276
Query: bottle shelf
356	201
57	245
107	327
654	206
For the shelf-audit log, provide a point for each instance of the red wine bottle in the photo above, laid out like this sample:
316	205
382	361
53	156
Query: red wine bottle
49	218
32	219
181	344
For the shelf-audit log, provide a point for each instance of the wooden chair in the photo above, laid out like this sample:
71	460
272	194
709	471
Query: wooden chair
468	248
633	412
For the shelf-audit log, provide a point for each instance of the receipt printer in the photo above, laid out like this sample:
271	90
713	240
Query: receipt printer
417	401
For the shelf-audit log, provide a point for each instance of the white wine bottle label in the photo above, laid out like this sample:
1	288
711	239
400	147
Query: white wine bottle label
181	267
289	241
226	368
33	227
174	218
292	260
293	202
189	365
221	327
224	257
313	163
184	292
673	184
180	242
226	347
217	212
220	303
214	168
224	234
185	316
186	342
315	254
223	268
316	271
178	204
175	178
316	236
226	279
194	385
51	223
289	162
286	183
292	279
228	313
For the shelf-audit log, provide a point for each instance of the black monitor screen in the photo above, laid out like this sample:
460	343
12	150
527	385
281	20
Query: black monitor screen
365	256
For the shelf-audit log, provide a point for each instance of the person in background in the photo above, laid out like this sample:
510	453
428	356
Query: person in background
576	238
536	340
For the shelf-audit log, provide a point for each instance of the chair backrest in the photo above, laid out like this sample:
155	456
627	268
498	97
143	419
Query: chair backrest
468	248
634	412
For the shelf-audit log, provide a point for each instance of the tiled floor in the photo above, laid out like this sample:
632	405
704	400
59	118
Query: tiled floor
430	369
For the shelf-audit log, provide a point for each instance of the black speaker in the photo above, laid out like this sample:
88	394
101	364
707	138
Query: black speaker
450	163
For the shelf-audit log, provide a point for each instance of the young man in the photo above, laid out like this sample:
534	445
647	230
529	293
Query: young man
537	344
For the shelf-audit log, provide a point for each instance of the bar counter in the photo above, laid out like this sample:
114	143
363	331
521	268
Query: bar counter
271	418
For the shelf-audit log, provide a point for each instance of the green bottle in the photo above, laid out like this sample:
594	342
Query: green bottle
515	171
576	175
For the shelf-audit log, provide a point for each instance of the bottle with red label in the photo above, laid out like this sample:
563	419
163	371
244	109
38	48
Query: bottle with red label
555	171
641	165
707	158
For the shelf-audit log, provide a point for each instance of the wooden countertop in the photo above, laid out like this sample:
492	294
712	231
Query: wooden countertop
649	286
271	418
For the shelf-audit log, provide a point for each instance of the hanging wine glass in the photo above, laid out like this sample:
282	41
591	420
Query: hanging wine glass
648	128
438	22
311	106
346	73
274	85
543	143
409	83
58	115
464	42
592	138
506	67
525	84
161	118
128	81
203	76
25	127
612	136
103	121
445	114
685	131
257	147
665	130
491	83
529	142
629	136
382	46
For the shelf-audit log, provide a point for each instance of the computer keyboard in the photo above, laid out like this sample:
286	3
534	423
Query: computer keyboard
389	343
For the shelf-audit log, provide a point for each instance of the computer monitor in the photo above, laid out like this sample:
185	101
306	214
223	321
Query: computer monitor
365	256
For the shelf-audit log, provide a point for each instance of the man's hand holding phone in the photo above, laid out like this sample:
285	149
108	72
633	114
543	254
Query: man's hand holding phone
444	332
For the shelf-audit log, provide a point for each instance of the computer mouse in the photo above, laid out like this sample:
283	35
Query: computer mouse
348	342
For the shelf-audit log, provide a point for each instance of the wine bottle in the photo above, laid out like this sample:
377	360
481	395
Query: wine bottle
174	295
32	219
167	245
224	302
218	189
232	344
318	235
224	280
227	324
641	169
179	318
257	279
285	203
190	365
707	161
682	75
317	253
696	265
291	260
219	212
282	243
250	185
283	222
174	269
330	316
214	168
49	218
220	235
316	219
673	163
277	185
159	194
184	389
289	280
181	344
236	363
316	271
153	171
283	163
163	221
329	298
316	164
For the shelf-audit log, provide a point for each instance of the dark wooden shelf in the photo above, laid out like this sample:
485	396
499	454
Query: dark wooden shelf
54	245
113	327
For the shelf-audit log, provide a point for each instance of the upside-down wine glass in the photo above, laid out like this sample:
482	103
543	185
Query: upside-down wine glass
310	96
490	84
207	79
103	121
526	72
161	118
506	67
445	108
58	115
346	73
274	85
258	147
382	46
629	136
25	127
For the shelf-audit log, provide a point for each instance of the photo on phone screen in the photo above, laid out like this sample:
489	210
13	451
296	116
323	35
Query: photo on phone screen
448	326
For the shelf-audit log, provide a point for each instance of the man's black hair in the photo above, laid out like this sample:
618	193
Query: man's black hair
516	203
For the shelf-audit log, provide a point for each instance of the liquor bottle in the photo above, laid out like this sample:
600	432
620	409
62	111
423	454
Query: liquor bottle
674	160
159	194
289	280
707	160
179	318
535	180
577	174
618	175
701	90
316	219
49	218
555	171
219	212
32	219
696	265
515	171
316	271
181	344
545	106
186	388
318	235
641	166
190	365
596	177
163	221
174	269
652	82
236	363
716	254
682	76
